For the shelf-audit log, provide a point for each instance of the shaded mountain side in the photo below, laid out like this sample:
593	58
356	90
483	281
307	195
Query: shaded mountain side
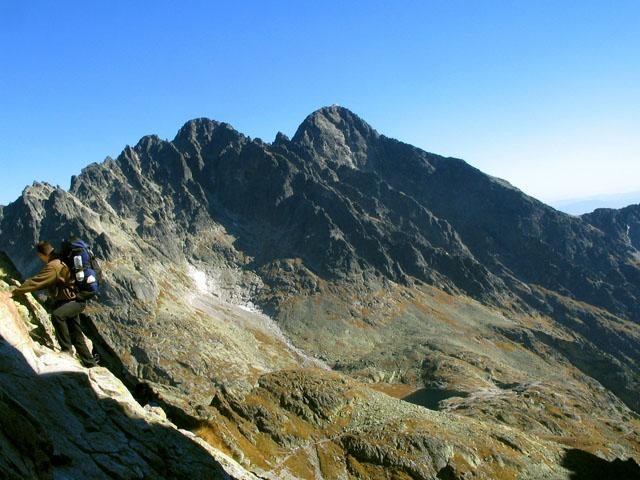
347	201
338	204
280	206
520	239
622	225
511	234
353	206
394	266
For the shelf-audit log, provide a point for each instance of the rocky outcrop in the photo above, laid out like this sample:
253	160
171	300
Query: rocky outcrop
228	260
622	225
59	420
348	202
317	424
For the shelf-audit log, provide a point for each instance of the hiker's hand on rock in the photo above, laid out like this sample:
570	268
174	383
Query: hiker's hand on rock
15	282
10	293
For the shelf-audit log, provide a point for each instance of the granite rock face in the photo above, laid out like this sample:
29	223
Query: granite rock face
228	259
60	420
343	199
623	225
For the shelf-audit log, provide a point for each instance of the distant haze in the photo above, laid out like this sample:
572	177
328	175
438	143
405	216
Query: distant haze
578	206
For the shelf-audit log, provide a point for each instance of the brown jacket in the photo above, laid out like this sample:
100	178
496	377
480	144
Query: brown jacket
55	277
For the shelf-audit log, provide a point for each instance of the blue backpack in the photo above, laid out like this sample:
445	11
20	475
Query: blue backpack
84	267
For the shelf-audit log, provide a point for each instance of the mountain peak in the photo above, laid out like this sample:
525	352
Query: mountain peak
38	190
197	128
336	135
147	142
326	119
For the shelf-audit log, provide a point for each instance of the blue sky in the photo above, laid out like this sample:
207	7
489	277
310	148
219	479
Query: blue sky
545	94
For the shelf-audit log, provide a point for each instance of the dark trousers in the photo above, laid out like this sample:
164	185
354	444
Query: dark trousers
66	320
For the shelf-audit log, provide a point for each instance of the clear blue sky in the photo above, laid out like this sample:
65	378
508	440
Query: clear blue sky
543	93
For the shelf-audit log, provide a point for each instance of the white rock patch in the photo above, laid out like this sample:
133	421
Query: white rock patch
219	296
199	279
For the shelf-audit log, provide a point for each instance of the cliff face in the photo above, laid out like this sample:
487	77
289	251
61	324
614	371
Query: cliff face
228	260
60	420
345	200
622	225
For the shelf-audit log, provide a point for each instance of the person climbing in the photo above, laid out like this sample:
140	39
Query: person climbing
66	306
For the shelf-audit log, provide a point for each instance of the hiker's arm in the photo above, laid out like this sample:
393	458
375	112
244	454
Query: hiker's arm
46	277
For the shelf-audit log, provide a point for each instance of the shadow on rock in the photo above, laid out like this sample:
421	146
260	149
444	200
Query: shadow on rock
586	466
54	425
141	391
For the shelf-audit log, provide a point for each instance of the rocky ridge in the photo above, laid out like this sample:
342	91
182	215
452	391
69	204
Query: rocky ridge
407	270
60	420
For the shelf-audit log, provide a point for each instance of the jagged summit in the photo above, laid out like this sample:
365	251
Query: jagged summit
147	142
38	190
281	139
197	128
335	135
329	119
201	131
326	119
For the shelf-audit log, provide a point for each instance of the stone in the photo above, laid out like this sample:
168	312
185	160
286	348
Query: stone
342	248
60	420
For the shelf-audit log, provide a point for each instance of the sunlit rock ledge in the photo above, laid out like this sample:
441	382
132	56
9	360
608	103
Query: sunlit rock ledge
60	420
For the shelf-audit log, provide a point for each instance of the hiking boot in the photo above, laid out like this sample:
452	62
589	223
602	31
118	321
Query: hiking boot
91	363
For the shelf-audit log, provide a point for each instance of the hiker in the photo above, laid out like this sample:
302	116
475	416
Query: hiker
66	306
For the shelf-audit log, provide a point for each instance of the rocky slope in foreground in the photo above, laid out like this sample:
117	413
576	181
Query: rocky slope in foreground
403	269
59	420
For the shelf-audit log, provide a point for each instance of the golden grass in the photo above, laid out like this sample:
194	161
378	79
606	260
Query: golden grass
396	390
506	346
256	453
587	443
330	457
504	472
299	465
